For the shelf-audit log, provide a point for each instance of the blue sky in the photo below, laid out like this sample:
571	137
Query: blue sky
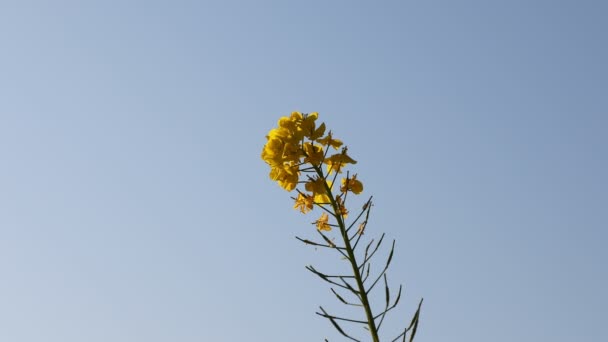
134	205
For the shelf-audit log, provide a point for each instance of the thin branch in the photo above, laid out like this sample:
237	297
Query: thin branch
328	240
326	315
336	325
366	208
309	242
413	324
369	266
368	258
342	299
415	320
324	277
387	309
388	262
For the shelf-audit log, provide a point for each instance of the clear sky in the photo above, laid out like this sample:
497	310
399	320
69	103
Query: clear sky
134	205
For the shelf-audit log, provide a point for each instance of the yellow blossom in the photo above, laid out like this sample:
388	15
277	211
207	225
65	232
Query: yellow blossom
295	116
351	184
317	133
273	151
287	177
341	207
291	127
304	203
329	140
291	152
286	149
337	161
314	154
287	124
317	187
280	147
307	124
280	132
323	222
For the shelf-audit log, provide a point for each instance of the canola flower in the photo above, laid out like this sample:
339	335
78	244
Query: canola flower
304	157
297	142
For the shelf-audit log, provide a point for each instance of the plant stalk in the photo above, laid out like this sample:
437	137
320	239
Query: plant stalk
351	257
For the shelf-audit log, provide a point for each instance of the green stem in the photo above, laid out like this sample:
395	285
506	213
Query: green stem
353	262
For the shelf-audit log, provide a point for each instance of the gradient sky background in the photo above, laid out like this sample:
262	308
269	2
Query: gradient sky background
134	205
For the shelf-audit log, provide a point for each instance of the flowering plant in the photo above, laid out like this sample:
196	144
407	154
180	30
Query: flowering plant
296	152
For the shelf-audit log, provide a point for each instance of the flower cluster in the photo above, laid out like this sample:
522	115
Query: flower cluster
297	147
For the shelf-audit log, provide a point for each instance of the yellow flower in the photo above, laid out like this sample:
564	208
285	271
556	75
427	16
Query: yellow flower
337	161
286	148
328	140
309	127
287	124
307	124
304	202
291	152
296	116
341	207
273	151
314	153
291	125
280	147
317	187
317	133
287	176
323	222
351	184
